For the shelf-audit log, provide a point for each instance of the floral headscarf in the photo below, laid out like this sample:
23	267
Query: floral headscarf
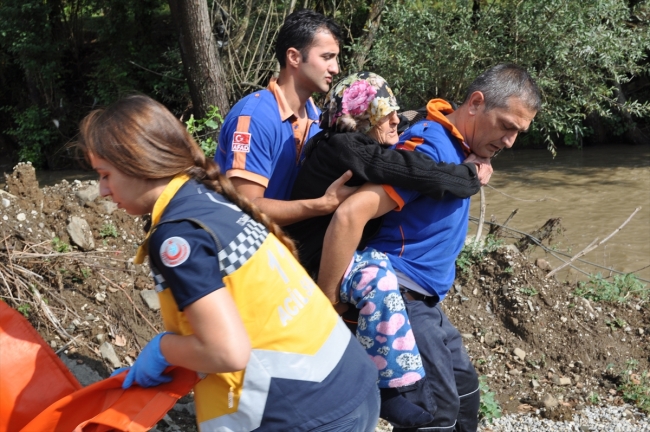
357	102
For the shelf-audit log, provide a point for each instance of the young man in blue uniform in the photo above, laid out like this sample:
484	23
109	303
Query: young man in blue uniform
422	236
261	140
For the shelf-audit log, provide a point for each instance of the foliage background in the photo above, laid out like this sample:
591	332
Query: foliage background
61	58
580	53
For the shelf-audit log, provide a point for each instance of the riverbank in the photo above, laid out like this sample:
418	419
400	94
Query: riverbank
593	190
542	350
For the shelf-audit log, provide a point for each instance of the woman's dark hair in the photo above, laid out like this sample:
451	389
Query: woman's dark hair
298	32
141	138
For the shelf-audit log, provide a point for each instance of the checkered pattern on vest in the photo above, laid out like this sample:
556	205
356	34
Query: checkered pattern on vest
159	281
238	251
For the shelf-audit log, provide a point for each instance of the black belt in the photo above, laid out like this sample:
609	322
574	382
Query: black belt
414	295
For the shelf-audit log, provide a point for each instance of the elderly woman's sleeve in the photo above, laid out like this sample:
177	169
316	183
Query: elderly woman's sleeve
404	169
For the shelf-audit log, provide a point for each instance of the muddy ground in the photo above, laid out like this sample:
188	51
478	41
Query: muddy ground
542	349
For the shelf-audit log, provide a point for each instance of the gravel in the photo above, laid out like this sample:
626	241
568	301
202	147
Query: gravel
590	419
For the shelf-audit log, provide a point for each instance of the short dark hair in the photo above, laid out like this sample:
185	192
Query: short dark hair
298	32
504	81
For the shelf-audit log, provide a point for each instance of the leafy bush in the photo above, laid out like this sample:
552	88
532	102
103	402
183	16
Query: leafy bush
635	386
24	309
34	132
578	51
205	130
529	291
60	59
60	246
108	230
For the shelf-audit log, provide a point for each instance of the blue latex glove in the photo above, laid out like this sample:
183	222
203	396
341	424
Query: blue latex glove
147	371
119	371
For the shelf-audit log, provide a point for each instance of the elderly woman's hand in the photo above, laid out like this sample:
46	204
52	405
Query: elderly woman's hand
483	168
336	193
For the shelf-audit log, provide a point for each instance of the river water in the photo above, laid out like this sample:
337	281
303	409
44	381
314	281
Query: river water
593	191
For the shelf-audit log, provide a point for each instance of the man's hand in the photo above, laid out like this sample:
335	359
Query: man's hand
288	212
483	168
336	193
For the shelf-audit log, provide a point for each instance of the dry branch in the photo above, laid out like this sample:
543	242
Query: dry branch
50	315
592	245
131	300
481	218
495	229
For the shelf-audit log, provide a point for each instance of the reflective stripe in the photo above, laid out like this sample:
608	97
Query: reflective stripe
436	428
264	365
470	393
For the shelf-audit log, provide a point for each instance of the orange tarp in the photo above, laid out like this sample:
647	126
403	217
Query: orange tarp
39	394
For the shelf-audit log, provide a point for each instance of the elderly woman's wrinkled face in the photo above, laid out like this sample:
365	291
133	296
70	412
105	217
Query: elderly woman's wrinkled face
385	131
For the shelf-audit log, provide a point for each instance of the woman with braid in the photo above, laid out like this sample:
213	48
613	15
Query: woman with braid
237	306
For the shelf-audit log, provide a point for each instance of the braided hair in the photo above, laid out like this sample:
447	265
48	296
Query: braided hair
142	139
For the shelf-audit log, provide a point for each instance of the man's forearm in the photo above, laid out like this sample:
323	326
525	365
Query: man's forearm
288	212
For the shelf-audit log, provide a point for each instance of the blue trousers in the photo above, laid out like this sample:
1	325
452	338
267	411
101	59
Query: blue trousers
449	391
362	419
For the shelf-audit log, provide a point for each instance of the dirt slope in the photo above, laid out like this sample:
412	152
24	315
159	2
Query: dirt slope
93	297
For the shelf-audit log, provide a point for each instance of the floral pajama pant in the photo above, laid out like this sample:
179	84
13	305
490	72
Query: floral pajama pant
384	329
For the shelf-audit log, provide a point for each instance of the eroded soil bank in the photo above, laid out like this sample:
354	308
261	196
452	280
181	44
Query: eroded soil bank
65	263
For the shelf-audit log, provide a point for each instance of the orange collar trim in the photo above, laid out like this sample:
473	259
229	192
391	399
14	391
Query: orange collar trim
436	110
283	105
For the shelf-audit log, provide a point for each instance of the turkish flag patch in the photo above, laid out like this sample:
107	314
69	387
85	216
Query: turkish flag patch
174	251
241	142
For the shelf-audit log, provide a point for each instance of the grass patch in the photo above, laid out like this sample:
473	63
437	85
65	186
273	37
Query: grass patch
619	289
635	386
108	230
473	253
489	408
60	246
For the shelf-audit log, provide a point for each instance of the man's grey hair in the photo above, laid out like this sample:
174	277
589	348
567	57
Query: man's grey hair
504	81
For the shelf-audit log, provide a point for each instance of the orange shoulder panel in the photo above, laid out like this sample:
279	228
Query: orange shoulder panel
239	158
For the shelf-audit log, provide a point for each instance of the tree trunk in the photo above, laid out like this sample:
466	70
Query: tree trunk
371	27
203	69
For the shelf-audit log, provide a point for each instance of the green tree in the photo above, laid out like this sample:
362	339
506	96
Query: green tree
61	58
579	51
